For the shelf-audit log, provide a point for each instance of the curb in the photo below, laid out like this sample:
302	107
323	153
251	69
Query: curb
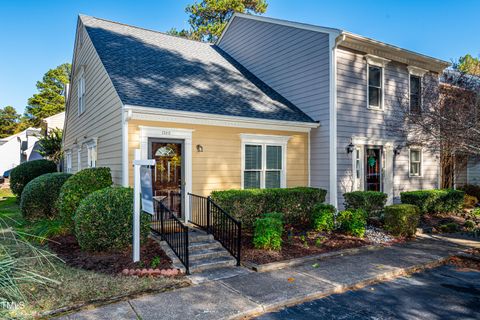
297	261
343	288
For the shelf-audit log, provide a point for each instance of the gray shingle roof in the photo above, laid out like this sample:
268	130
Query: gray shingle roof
152	69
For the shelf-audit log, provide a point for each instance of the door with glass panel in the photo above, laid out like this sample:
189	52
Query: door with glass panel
168	182
263	166
373	169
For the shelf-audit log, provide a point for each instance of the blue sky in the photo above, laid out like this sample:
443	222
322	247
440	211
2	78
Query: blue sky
38	35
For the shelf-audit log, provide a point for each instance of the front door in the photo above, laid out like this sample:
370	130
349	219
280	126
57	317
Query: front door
168	173
373	169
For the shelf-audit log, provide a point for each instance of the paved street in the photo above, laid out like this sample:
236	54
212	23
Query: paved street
441	293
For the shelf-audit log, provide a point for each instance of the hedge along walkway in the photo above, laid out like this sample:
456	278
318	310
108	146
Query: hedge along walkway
254	293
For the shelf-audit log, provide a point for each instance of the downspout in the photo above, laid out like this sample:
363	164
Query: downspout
335	41
126	116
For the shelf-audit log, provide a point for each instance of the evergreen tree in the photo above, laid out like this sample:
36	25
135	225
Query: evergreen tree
9	119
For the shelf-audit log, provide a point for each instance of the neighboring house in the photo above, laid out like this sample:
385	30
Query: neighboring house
272	104
351	85
19	148
23	146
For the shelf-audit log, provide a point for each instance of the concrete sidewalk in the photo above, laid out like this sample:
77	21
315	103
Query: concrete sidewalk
253	293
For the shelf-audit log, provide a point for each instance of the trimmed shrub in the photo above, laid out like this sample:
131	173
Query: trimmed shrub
433	201
402	219
450	227
78	187
370	201
296	204
268	232
323	217
469	201
40	196
469	225
27	171
352	222
476	212
471	189
104	220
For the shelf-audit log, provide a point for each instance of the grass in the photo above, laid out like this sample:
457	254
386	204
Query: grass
69	287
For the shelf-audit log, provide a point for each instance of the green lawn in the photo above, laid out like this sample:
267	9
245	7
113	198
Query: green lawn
69	286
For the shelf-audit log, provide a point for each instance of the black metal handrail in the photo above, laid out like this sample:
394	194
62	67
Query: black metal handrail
173	231
227	230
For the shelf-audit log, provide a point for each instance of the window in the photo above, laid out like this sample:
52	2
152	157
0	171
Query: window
79	160
375	87
263	161
92	153
415	94
415	162
68	161
81	92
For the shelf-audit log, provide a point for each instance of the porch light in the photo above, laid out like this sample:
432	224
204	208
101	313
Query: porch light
397	150
350	148
199	148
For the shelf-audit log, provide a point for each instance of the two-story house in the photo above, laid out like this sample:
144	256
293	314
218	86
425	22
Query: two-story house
271	104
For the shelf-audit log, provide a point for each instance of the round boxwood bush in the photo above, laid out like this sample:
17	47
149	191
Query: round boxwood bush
402	219
78	187
104	220
27	171
40	195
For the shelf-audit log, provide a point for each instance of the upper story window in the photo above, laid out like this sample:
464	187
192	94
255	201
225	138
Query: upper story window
415	162
263	163
415	98
415	88
375	81
81	92
375	87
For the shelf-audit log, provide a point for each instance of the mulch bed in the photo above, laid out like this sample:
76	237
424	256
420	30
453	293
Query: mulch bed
300	244
67	248
436	220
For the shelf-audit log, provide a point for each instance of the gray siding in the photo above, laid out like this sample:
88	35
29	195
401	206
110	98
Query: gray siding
355	119
102	116
294	62
473	171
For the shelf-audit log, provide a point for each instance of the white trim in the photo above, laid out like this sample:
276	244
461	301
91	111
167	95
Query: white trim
416	71
382	89
372	141
264	141
175	134
175	116
79	159
410	149
281	22
126	115
376	60
91	152
309	162
68	160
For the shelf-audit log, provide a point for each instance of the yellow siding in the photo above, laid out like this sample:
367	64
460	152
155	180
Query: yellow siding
218	167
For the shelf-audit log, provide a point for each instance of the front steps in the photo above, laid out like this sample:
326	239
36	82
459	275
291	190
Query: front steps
206	253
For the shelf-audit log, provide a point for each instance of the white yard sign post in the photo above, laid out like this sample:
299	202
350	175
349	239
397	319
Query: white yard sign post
137	195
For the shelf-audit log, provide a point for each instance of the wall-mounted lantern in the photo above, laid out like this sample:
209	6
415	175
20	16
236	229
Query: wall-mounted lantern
397	150
350	148
199	148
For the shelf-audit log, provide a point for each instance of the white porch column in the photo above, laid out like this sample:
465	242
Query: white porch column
388	182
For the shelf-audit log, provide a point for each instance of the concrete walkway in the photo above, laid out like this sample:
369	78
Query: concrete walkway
252	293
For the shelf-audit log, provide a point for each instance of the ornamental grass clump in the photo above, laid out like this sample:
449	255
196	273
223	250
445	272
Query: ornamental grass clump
268	231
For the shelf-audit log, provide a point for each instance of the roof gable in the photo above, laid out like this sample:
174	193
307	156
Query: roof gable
152	69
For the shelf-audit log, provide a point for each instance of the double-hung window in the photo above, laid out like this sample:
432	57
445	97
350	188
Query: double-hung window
415	162
375	87
68	161
81	92
415	94
79	159
375	81
92	153
263	161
